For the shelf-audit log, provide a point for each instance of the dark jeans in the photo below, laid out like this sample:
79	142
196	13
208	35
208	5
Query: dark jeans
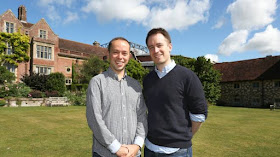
179	153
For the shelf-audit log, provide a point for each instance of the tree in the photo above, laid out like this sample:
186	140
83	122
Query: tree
93	66
6	75
36	81
18	44
56	82
135	70
209	77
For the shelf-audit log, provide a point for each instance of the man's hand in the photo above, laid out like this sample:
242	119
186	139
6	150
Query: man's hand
132	150
122	152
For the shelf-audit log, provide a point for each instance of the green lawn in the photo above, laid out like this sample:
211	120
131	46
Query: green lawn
63	131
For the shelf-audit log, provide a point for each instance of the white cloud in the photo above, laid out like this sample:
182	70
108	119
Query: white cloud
106	10
220	23
52	10
70	17
170	14
233	43
252	14
67	3
266	42
180	16
213	57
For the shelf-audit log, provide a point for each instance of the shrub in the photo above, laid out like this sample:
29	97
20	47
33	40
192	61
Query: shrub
56	82
36	81
36	94
52	94
6	75
76	98
15	90
2	102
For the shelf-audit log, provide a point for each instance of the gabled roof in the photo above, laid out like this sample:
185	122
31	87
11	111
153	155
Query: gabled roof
83	48
254	69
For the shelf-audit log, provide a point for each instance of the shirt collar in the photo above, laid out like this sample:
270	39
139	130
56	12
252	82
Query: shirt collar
166	69
113	75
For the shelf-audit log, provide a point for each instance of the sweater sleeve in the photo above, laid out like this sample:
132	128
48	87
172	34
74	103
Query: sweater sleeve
195	96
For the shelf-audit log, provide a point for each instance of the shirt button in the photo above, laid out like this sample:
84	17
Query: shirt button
123	117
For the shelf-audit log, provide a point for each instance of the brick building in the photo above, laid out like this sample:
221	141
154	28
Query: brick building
48	53
250	83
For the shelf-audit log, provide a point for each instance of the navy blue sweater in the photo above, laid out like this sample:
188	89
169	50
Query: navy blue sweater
169	101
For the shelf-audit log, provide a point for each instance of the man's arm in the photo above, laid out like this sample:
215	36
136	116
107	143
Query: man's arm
142	127
95	120
195	126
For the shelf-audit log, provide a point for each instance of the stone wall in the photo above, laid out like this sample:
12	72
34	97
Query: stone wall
248	95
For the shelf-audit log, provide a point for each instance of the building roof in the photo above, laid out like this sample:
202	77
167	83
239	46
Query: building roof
27	24
82	48
254	69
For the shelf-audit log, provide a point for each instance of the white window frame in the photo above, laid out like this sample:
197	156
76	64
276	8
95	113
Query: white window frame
9	49
43	34
43	52
8	27
43	69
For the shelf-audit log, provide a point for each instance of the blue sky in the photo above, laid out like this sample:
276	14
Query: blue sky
223	30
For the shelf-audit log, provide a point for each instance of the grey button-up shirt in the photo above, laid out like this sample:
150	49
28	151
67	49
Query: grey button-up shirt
116	112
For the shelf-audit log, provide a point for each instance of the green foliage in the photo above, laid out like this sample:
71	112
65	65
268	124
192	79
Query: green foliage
6	75
15	90
56	82
36	81
209	77
79	87
19	44
77	98
93	66
36	94
2	102
135	70
184	61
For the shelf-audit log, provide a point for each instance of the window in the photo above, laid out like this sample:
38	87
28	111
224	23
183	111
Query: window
44	52
9	27
277	84
255	84
10	67
68	81
68	69
9	49
43	34
236	85
43	70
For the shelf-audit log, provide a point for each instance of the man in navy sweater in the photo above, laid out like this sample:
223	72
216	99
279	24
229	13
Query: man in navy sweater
175	100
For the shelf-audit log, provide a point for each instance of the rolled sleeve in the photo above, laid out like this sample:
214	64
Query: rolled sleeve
197	117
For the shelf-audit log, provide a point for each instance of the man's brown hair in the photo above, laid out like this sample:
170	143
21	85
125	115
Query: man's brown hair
156	31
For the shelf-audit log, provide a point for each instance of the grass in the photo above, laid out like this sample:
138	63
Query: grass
63	131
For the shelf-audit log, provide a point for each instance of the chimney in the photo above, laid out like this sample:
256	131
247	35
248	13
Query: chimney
22	13
95	43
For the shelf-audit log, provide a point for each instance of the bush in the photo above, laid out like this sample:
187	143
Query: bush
36	94
76	98
36	81
52	94
56	82
2	102
79	87
6	75
15	90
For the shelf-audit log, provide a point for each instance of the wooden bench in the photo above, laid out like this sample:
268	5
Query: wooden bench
57	101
